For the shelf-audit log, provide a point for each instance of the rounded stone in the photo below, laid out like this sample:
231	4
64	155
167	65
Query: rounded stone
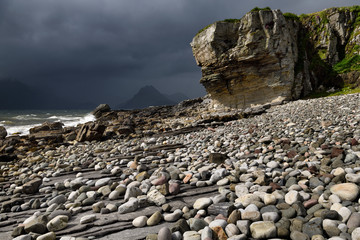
272	164
232	230
176	236
57	223
251	215
154	219
197	224
296	235
191	235
140	221
202	203
23	237
346	191
269	199
291	197
345	213
58	200
47	236
234	216
156	197
164	234
132	192
247	199
218	223
98	206
206	233
271	216
355	235
102	182
354	220
174	188
87	219
172	217
263	229
114	195
129	206
352	177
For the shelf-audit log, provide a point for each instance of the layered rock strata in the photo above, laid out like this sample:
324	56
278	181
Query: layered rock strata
248	61
268	57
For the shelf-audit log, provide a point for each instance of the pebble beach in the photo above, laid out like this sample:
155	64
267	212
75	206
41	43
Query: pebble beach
292	172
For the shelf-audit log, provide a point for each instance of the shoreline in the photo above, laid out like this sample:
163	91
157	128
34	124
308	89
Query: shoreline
279	165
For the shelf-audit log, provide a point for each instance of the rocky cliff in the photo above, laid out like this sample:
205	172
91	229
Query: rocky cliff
269	57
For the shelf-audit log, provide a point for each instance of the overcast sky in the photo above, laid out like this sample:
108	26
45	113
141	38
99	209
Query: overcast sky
105	50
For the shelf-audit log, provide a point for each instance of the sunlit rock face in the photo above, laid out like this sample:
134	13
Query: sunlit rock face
266	57
248	62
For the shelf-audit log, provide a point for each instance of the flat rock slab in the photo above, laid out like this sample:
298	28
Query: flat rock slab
135	233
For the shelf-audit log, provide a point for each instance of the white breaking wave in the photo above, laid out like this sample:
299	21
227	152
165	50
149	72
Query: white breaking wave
74	122
21	130
67	120
27	117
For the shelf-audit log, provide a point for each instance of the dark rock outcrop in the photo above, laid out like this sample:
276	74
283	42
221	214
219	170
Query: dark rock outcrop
99	110
90	131
48	131
3	132
32	186
46	126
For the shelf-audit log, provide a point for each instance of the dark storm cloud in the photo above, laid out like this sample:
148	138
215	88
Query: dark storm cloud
106	50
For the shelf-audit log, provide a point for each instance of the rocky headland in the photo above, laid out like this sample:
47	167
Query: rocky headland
239	163
268	56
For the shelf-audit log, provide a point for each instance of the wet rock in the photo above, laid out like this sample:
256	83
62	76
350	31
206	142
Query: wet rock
3	132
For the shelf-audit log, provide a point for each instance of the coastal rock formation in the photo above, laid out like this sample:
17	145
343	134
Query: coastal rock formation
3	132
99	110
48	131
90	131
247	61
269	57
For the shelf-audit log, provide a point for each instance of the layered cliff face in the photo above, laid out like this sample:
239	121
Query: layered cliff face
266	57
334	37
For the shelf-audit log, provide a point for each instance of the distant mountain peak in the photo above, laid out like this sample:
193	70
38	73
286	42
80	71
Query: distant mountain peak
148	96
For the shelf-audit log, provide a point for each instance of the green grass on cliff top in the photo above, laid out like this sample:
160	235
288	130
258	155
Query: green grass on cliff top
291	16
234	20
256	9
348	64
230	20
343	91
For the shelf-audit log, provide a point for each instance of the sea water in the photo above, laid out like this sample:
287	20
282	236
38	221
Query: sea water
20	121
